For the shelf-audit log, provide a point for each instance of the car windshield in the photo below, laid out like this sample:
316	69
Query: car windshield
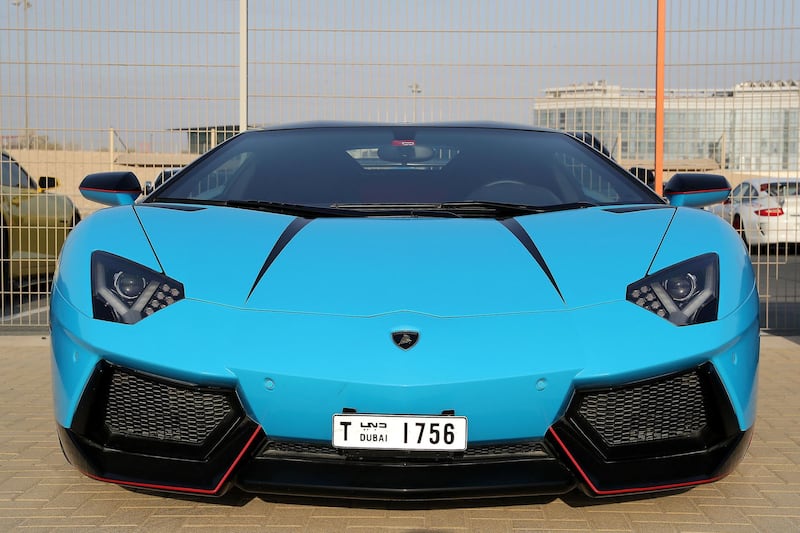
398	168
12	175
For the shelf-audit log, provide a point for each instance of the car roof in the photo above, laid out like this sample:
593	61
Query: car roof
454	124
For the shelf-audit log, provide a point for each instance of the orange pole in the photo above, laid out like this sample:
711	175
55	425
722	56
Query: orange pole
658	166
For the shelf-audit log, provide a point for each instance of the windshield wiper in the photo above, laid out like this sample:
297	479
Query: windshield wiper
433	209
438	209
300	210
462	208
410	209
495	209
505	209
568	206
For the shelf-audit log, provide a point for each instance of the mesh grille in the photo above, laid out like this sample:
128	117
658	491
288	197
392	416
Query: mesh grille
519	449
282	447
651	412
515	449
148	409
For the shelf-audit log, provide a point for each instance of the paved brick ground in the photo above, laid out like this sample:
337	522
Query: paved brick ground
40	491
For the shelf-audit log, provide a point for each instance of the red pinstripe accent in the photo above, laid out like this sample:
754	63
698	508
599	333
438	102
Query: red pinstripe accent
625	491
109	190
695	192
192	490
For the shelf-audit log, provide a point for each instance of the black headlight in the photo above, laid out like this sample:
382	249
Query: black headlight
126	292
684	294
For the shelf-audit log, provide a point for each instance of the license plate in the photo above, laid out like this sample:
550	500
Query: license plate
400	432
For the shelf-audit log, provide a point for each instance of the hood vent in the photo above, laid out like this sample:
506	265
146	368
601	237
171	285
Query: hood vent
519	232
287	235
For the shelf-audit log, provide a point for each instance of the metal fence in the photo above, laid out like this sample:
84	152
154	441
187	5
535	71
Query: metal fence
145	85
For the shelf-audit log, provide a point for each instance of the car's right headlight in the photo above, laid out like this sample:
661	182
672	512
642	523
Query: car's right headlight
686	293
126	292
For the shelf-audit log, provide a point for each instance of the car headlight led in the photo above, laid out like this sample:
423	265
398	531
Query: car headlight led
684	294
129	286
126	292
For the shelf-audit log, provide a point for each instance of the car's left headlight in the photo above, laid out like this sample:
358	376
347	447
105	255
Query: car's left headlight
127	292
684	294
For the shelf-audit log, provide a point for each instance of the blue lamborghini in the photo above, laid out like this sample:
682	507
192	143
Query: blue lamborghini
405	312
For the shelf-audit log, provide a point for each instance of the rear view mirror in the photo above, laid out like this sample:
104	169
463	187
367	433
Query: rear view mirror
405	152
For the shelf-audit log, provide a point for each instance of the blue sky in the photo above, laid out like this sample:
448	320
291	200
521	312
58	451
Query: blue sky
146	66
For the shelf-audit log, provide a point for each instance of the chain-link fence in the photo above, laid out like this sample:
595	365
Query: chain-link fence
147	85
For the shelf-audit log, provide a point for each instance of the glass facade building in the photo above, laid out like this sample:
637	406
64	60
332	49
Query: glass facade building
754	127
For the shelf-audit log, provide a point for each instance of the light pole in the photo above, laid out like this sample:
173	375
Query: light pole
25	5
415	90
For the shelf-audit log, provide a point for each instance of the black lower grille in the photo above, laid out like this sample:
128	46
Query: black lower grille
144	408
157	432
669	408
517	449
292	448
137	412
279	448
669	431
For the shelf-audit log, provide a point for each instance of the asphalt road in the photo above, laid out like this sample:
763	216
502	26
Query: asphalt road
778	276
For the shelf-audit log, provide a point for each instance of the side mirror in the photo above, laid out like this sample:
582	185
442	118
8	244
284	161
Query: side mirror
696	190
111	188
48	182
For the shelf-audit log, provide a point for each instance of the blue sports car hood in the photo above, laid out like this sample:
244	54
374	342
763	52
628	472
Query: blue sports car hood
438	266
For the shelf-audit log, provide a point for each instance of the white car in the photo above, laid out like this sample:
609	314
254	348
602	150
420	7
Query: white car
764	211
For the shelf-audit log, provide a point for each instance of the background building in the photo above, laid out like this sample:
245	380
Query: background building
754	127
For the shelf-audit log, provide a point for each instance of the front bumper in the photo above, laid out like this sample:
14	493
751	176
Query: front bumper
519	384
688	435
783	229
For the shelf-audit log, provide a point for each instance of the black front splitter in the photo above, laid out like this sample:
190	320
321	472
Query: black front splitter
209	476
405	481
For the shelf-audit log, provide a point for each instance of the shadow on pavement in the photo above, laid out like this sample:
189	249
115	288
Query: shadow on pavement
575	499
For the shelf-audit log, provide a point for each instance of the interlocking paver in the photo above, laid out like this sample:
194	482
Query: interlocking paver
39	491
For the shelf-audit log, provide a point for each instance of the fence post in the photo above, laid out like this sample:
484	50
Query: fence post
243	64
110	149
658	166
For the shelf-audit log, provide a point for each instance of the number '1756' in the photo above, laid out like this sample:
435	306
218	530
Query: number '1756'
432	432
